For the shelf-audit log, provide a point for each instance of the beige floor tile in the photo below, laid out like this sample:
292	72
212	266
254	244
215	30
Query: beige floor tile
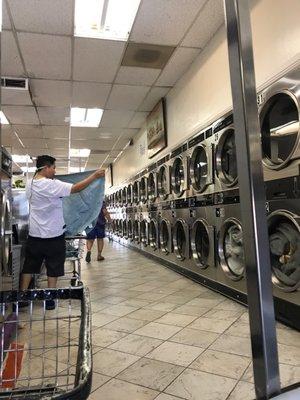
191	310
243	391
137	345
223	314
161	306
136	303
146	314
232	345
116	389
175	299
176	319
219	363
100	319
154	374
104	337
175	353
126	324
289	374
239	329
164	396
110	362
289	354
119	310
113	299
151	296
98	380
211	325
204	303
288	337
230	305
194	337
158	331
197	385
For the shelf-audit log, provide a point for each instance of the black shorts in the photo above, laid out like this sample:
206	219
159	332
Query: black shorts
52	251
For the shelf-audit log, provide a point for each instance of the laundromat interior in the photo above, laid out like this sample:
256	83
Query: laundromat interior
192	110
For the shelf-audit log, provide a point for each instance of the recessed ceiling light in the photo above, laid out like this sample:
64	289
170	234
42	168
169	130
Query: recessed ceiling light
105	19
79	152
3	118
21	159
86	117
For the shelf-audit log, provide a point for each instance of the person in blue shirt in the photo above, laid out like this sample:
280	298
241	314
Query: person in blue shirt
98	232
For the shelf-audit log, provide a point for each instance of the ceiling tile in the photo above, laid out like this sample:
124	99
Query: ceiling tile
57	153
178	64
103	144
155	94
56	132
29	131
54	115
88	94
5	18
57	143
169	20
85	133
46	16
97	60
7	135
35	151
138	120
34	143
15	97
21	114
116	119
137	76
208	22
51	93
10	60
46	56
125	97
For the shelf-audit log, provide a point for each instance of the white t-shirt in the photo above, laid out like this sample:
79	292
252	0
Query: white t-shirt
46	212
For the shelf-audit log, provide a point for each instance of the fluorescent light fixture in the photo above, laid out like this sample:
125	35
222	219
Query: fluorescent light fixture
86	117
3	118
105	19
21	159
80	153
72	170
29	169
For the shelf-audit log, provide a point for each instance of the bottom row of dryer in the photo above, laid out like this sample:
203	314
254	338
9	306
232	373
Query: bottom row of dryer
207	242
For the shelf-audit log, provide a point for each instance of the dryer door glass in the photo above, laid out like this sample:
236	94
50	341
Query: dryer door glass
130	229
228	158
201	244
125	229
279	129
151	187
152	234
180	240
124	195
136	231
143	197
143	232
135	193
199	168
129	194
284	233
178	176
162	182
233	250
164	237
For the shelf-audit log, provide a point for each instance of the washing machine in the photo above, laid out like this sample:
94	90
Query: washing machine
135	193
279	114
143	190
166	221
164	179
129	195
179	160
6	212
152	186
124	196
182	221
226	173
153	232
201	165
136	238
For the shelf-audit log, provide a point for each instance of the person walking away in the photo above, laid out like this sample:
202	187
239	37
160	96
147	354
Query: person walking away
46	242
98	232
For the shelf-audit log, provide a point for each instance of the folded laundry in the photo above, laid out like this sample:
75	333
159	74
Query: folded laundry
82	209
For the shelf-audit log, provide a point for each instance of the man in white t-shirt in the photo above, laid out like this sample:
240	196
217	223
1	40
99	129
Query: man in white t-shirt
46	242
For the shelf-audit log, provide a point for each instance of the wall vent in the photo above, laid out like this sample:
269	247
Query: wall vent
145	55
14	83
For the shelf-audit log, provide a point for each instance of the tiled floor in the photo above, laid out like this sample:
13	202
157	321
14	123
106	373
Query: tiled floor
158	335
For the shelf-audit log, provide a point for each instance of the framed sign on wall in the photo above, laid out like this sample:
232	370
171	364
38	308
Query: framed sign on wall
157	129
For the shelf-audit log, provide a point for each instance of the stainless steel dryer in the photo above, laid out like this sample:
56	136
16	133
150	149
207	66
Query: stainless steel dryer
181	236
153	232
163	179
279	111
124	196
136	238
135	192
179	171
166	233
143	190
129	195
226	173
152	186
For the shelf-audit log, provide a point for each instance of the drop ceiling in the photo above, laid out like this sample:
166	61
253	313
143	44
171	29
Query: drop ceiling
37	43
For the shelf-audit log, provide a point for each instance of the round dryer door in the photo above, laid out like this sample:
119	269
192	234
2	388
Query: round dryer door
178	176
226	163
180	239
284	236
231	252
280	127
136	231
143	232
199	169
162	182
143	190
151	186
135	190
200	243
125	229
153	234
165	236
129	195
124	196
130	233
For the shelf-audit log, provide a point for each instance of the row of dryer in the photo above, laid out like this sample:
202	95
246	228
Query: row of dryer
184	210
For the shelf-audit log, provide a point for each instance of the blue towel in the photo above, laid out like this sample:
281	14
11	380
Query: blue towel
82	209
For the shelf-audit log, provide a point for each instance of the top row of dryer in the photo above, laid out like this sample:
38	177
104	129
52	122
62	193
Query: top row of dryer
207	163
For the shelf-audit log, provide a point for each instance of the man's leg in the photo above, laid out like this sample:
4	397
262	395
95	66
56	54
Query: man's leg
52	282
100	244
89	245
25	281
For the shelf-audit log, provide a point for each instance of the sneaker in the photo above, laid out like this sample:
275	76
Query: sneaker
50	305
100	258
88	257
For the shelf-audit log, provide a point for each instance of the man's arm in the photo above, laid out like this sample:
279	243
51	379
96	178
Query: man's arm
79	186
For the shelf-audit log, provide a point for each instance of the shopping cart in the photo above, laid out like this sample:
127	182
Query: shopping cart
51	357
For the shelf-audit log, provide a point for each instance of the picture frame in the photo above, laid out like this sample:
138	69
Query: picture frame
156	129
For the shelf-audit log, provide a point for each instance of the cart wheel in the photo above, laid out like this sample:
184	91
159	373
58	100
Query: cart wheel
74	281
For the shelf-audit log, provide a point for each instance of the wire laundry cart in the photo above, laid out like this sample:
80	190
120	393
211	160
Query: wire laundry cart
50	357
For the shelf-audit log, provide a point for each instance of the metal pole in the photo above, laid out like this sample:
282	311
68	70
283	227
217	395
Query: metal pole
252	197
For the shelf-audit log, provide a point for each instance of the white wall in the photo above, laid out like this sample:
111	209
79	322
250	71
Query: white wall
203	93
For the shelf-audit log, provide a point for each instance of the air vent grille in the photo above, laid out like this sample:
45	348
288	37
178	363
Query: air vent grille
145	55
14	83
